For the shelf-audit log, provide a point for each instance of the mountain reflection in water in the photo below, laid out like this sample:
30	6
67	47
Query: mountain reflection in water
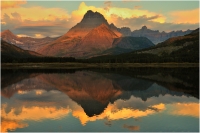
120	99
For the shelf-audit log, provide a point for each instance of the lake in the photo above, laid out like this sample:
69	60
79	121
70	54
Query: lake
100	100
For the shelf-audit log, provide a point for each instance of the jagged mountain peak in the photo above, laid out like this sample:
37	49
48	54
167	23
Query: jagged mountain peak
7	35
95	16
91	14
112	25
7	32
144	27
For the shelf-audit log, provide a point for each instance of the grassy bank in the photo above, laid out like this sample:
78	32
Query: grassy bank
91	65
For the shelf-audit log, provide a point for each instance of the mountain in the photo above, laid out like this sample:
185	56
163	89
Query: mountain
176	49
26	43
126	31
134	43
11	51
127	44
176	44
97	40
93	36
81	39
9	37
115	30
156	36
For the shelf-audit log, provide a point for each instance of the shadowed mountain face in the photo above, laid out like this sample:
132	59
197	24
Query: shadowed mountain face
94	90
187	45
156	36
10	51
176	49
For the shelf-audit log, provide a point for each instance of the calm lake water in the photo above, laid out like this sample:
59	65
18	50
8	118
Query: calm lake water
127	100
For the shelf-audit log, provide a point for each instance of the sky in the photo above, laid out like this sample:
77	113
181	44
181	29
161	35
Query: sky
54	18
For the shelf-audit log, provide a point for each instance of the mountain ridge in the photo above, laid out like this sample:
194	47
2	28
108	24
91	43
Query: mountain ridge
154	35
26	43
177	49
89	38
12	51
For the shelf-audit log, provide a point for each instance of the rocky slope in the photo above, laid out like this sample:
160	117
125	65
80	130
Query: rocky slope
26	43
81	39
126	31
174	44
176	49
91	37
156	36
11	51
127	44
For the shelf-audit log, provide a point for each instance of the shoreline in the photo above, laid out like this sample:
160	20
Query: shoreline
70	65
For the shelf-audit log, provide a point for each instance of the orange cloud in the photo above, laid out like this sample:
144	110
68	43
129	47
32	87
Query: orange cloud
189	16
137	7
134	128
20	91
188	109
11	125
36	14
12	4
112	13
113	113
35	113
39	92
22	35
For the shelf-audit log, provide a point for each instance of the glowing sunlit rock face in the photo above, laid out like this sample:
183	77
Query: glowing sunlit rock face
119	101
92	35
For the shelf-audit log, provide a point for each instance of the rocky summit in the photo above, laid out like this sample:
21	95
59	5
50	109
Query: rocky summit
91	37
154	35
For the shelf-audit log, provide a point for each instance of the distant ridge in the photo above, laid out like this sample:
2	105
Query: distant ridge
11	51
26	43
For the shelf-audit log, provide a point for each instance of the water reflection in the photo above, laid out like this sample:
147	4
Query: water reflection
95	95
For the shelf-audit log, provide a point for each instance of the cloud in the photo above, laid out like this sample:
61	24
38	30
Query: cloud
11	4
57	20
109	12
38	13
31	113
51	31
137	7
188	16
185	109
137	22
11	125
107	4
36	20
133	128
